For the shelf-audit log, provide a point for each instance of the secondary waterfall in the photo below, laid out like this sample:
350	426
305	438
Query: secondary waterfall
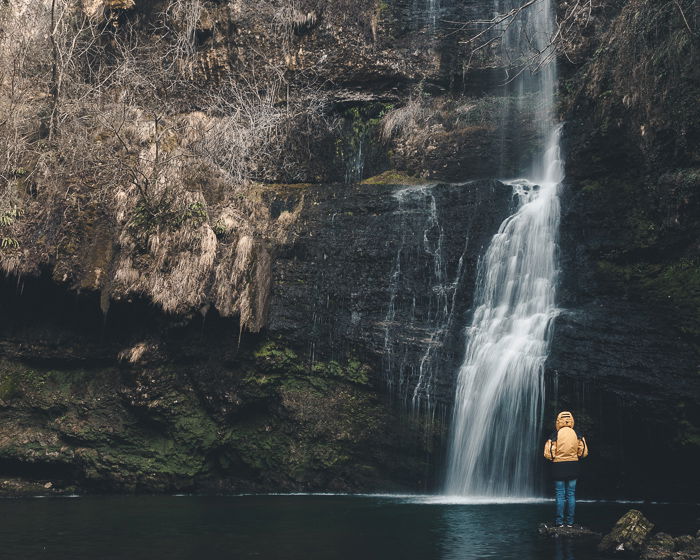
494	441
411	361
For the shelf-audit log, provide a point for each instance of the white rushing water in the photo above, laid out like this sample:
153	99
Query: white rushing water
494	443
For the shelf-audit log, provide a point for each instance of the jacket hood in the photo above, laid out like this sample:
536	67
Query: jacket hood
564	419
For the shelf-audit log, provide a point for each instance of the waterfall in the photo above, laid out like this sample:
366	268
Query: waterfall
432	15
497	416
425	17
414	330
355	165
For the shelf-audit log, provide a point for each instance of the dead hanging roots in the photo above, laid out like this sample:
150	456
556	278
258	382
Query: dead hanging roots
185	268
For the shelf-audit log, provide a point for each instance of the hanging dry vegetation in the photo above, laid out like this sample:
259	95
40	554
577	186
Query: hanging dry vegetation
129	168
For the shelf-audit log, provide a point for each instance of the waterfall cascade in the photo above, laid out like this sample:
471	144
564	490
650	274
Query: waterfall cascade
422	241
497	417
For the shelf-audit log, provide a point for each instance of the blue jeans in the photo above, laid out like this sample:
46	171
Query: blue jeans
565	493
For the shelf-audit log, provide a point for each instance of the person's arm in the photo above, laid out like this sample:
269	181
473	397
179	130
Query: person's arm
582	450
550	449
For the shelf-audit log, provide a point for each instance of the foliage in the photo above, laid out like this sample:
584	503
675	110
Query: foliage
167	216
9	387
392	177
119	122
7	219
285	364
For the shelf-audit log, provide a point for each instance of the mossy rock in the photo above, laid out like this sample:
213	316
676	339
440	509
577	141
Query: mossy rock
628	535
393	177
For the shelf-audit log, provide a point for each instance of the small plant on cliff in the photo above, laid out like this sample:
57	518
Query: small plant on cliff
9	387
167	216
7	219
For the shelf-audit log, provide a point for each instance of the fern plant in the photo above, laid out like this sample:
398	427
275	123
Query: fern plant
7	218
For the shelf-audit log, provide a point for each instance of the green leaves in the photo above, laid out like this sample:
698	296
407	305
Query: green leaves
7	218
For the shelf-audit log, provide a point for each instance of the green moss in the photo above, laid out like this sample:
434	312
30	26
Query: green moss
272	356
689	435
392	177
261	445
279	364
643	230
360	124
193	427
675	284
591	186
9	387
353	371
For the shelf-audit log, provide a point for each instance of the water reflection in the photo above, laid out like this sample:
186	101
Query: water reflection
563	549
504	531
496	531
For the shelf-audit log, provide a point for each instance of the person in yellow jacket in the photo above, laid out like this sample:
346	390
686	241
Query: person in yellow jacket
564	448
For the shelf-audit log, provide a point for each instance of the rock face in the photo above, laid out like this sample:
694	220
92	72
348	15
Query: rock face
625	354
387	271
370	285
136	401
631	537
628	534
99	391
664	547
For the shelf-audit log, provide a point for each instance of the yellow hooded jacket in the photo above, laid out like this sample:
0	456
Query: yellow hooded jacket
565	446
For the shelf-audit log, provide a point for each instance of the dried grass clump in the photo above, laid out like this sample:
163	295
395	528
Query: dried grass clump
425	118
188	268
405	119
242	282
136	353
171	265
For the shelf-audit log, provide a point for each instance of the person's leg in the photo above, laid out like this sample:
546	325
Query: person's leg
570	501
559	496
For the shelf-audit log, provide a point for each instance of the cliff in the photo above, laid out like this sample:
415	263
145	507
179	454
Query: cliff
625	348
249	266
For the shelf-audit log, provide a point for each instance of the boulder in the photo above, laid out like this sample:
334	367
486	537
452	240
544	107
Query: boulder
687	548
684	542
659	547
628	535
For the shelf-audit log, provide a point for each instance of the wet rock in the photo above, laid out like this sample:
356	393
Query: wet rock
576	531
629	265
684	542
687	548
372	268
659	547
628	534
17	487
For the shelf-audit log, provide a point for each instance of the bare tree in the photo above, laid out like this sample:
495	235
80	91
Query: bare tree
164	165
491	32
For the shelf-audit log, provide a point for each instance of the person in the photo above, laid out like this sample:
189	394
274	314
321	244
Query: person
564	449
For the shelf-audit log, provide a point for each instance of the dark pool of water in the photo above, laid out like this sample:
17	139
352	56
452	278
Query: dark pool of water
300	527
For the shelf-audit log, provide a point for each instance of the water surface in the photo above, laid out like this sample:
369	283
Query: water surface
308	527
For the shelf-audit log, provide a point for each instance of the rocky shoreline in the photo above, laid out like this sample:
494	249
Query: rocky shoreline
632	536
